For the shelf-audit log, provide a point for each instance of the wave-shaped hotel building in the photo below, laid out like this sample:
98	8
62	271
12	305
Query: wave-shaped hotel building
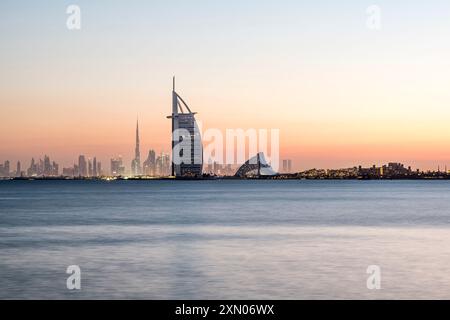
185	136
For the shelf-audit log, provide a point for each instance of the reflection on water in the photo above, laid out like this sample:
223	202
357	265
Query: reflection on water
225	239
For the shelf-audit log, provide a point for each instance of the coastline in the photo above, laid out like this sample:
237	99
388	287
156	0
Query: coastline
209	178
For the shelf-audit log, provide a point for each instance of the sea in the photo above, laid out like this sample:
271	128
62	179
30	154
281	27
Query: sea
225	239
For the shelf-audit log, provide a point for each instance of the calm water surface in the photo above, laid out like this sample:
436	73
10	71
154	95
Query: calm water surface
225	239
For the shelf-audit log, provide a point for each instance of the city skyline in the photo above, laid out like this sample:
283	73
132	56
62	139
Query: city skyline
89	166
162	165
159	165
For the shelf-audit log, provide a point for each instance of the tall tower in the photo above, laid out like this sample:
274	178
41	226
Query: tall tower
94	167
174	118
136	163
19	170
186	138
82	166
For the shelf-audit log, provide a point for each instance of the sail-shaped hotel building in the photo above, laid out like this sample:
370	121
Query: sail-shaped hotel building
185	136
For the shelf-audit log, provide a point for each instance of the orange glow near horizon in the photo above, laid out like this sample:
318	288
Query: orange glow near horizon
101	126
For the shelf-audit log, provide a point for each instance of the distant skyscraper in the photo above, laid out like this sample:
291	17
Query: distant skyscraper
18	169
99	169
76	170
149	165
47	166
41	167
163	165
117	169
94	165
6	168
287	166
82	166
32	170
136	162
55	169
188	139
90	169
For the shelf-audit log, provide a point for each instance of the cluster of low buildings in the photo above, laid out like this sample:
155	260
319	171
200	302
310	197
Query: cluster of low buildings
392	170
217	169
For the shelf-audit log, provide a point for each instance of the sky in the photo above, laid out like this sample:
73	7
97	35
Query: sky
340	93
